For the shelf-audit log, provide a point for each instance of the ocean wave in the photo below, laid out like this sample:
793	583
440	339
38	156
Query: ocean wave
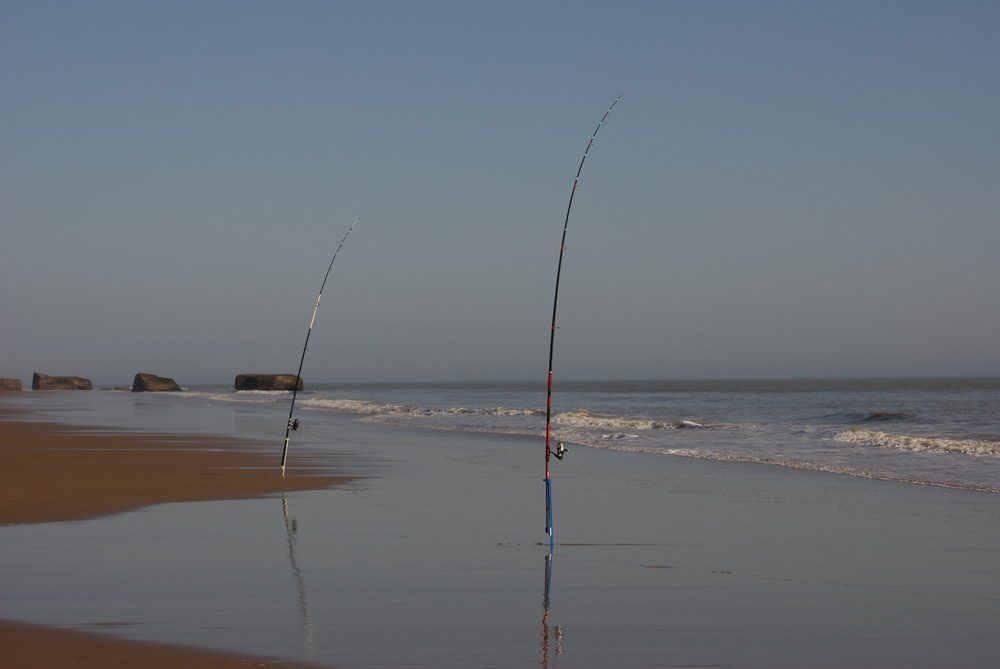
870	417
239	397
792	464
578	418
859	435
373	408
582	418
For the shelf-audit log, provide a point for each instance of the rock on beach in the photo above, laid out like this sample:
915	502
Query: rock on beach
267	382
10	385
46	382
151	383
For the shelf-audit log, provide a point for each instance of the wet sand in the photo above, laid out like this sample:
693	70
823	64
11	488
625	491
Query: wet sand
62	473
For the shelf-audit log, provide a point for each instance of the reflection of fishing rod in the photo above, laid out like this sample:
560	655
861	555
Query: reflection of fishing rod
294	425
545	618
552	341
291	529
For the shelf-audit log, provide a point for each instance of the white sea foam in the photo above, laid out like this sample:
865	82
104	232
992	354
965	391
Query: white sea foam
859	435
786	423
352	406
582	418
791	464
241	397
373	408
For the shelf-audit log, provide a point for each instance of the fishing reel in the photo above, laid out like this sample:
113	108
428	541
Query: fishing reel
293	424
560	451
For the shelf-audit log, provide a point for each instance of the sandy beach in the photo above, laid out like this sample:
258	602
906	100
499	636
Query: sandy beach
439	561
57	473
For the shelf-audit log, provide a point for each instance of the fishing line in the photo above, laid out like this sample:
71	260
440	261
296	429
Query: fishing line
552	341
294	425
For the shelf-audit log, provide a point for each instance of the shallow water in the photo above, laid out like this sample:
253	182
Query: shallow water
940	431
435	561
932	431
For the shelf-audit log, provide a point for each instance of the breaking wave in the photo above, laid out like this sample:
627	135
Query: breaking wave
803	436
793	464
858	435
585	419
373	411
577	419
374	408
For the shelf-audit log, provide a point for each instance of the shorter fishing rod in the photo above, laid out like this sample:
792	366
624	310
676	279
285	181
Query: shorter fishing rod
552	341
294	425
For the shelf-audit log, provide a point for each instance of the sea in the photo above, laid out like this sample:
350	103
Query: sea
930	431
927	431
436	556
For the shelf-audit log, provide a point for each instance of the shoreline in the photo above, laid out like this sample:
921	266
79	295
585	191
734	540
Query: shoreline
436	562
64	473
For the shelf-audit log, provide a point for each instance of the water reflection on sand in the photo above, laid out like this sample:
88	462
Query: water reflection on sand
433	562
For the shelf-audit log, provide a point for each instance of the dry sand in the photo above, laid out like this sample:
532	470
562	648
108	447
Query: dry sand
62	473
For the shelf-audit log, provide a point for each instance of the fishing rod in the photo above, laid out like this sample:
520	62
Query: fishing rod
561	450
294	425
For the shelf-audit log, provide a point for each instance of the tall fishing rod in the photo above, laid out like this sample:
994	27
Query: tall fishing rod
293	425
552	341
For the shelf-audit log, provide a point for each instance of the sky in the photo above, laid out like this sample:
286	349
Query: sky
786	189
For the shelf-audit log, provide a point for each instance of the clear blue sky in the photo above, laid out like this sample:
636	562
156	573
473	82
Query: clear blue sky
785	189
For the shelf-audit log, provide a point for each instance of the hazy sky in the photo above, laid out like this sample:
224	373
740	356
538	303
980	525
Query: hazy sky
785	189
